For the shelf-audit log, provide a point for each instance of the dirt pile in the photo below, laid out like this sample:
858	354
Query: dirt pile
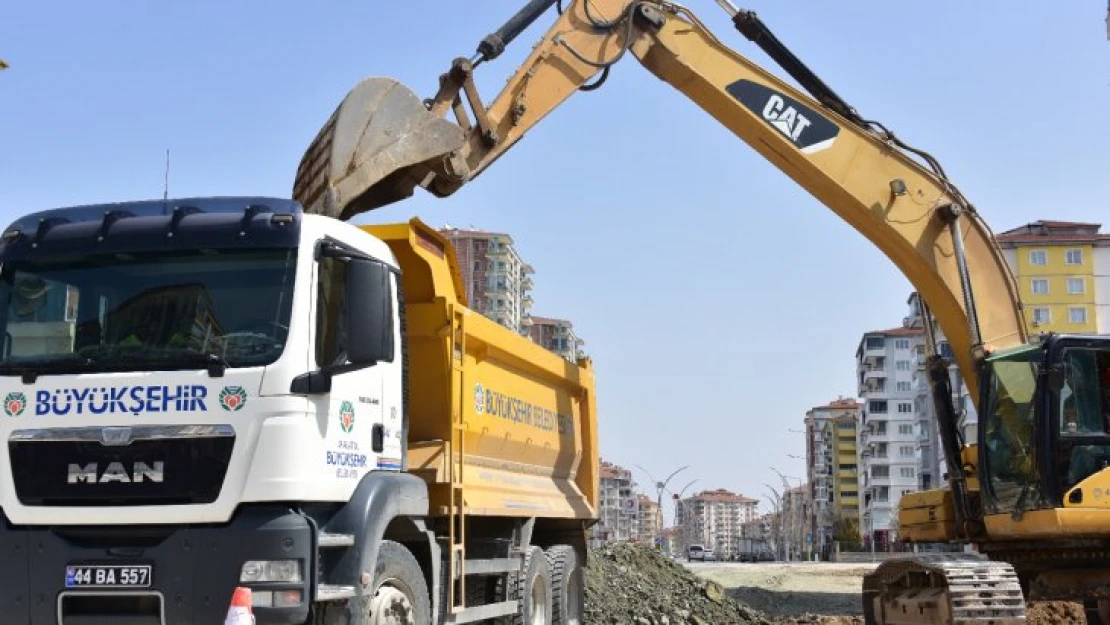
1054	613
633	585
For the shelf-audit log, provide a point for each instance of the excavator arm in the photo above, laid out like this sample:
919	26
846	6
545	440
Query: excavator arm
382	142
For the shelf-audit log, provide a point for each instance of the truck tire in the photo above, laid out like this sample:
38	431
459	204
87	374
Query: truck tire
568	588
400	594
531	588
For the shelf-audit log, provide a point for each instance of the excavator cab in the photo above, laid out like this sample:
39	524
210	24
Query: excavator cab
1045	426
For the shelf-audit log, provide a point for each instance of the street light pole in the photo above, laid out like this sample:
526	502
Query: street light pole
678	498
659	488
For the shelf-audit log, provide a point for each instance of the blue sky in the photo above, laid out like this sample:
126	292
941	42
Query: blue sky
718	299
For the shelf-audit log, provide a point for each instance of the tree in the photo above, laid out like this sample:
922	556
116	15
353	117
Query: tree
846	532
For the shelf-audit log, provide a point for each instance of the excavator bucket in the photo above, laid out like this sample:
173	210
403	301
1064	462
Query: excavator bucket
376	148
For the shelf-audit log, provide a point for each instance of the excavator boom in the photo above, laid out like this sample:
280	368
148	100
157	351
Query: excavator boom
383	142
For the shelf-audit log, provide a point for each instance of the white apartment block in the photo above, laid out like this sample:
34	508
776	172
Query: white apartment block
558	336
932	472
886	361
497	281
619	510
714	519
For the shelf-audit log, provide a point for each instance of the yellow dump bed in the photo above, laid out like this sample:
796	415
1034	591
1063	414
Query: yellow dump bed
507	424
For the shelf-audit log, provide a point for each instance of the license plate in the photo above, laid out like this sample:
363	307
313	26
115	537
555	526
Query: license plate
108	576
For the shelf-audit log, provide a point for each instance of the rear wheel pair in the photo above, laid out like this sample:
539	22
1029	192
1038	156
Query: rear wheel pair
549	587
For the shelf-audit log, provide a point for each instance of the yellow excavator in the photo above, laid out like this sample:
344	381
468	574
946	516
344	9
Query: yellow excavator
1031	493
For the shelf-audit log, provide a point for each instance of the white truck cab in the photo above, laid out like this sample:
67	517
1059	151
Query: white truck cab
197	394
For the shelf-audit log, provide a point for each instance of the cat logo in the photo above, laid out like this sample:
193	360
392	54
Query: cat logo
803	126
788	120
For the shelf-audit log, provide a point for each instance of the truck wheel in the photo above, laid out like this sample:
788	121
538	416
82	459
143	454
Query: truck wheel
568	589
532	589
400	594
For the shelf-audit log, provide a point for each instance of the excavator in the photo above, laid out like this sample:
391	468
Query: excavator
1026	504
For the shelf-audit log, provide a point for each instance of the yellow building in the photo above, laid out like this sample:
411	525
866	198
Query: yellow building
1058	265
831	468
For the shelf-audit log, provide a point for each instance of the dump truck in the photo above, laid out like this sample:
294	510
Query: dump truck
209	393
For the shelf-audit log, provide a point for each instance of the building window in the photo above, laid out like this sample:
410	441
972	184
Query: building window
907	472
902	344
1038	257
877	407
906	451
1040	286
1077	314
903	386
1042	316
1076	286
905	407
1074	257
905	429
875	342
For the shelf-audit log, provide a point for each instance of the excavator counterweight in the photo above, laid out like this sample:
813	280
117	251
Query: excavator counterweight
376	148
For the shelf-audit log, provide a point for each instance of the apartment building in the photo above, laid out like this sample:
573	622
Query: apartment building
618	516
649	520
758	536
886	361
496	279
1063	274
831	470
556	335
932	470
797	540
714	519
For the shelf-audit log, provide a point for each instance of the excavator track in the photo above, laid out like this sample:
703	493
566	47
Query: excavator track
943	589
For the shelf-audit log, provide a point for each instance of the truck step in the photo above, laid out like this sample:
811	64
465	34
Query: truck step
330	592
326	540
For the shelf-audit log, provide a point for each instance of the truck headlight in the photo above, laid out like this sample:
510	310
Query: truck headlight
282	571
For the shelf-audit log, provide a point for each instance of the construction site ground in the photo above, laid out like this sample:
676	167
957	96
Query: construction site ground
823	593
630	584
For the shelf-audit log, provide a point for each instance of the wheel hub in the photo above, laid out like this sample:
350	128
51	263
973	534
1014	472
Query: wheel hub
391	606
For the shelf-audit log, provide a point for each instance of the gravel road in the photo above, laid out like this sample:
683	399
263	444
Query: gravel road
796	591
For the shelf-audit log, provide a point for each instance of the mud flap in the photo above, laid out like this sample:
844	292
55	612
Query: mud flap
376	148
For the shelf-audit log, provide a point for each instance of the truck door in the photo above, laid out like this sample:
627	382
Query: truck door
362	425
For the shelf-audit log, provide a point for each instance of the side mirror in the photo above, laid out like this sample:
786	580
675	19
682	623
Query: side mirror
369	312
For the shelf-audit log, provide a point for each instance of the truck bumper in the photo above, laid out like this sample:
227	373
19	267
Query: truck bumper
194	570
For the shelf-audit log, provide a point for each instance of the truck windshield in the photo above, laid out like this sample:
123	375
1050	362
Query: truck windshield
124	312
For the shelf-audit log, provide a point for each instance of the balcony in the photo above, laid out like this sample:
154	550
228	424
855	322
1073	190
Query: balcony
874	373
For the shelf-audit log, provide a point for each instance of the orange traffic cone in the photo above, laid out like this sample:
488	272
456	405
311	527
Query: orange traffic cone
240	612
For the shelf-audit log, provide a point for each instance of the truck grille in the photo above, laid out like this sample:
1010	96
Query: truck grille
122	466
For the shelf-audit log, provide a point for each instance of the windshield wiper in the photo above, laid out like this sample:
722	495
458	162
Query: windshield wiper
30	371
215	363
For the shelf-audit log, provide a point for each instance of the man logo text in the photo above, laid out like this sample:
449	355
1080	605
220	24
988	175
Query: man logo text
116	472
785	118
